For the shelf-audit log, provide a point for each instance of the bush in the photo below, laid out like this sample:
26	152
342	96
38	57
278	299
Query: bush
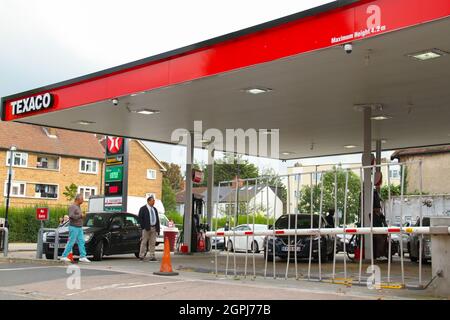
242	219
175	216
23	224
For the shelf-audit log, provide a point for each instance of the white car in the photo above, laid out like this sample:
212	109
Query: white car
249	243
163	224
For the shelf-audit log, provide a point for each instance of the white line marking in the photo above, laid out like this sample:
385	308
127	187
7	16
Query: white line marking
155	284
27	268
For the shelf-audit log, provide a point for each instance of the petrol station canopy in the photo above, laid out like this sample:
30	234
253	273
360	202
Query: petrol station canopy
309	86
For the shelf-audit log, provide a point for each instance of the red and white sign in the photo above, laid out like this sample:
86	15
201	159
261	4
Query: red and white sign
197	176
115	144
113	201
42	214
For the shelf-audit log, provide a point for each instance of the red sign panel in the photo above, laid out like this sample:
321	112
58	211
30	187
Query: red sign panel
115	145
42	214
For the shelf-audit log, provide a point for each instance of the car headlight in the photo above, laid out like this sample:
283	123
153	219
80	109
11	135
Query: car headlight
88	237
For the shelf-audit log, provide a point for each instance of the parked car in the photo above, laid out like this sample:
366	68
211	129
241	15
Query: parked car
414	243
218	242
250	243
105	233
303	242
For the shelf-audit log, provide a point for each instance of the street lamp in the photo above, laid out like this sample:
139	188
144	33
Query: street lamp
8	192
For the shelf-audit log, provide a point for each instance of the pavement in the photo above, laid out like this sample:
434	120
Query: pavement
124	277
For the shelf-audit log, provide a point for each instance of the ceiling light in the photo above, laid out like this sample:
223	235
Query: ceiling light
257	90
427	54
380	117
350	146
287	153
145	111
84	122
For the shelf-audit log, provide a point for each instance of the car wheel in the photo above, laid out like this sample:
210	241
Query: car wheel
254	247
49	256
330	256
99	250
413	259
230	246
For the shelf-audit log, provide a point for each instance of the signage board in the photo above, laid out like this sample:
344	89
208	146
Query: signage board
113	173
113	188
42	214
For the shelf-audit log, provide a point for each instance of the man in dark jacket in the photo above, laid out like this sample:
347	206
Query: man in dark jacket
149	219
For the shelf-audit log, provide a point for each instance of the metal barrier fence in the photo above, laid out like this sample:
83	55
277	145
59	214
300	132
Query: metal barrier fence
360	235
4	240
40	243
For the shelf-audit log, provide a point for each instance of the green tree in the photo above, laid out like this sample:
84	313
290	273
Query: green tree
230	166
395	191
173	175
168	196
71	192
328	195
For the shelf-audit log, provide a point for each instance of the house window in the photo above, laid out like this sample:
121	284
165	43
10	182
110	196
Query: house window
394	173
17	189
46	162
151	174
20	159
48	191
87	192
88	166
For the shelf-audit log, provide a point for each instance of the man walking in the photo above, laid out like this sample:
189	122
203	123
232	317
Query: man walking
76	234
148	216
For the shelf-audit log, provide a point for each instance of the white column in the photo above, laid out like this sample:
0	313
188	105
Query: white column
440	253
187	230
367	186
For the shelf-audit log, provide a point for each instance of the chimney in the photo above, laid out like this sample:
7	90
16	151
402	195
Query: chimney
238	181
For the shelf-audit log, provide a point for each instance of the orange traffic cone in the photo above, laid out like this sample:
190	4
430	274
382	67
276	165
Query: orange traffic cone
166	266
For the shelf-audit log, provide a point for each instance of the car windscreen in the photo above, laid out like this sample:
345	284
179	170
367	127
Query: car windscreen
96	220
303	222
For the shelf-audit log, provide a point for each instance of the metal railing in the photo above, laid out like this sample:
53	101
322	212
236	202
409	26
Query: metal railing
5	234
364	233
40	243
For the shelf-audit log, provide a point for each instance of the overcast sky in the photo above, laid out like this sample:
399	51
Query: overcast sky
48	41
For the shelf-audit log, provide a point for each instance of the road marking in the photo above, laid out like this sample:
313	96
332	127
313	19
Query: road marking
126	286
155	284
27	268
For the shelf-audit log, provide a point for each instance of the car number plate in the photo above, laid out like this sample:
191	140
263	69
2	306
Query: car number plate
293	248
60	245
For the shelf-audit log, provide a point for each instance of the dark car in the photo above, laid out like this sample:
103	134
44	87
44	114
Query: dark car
303	242
105	233
414	243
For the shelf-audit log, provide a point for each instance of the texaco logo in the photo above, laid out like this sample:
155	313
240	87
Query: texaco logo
114	144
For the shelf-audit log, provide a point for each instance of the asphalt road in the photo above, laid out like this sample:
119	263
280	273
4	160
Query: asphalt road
124	277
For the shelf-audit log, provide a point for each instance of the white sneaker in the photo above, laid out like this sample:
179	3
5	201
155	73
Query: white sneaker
65	259
84	260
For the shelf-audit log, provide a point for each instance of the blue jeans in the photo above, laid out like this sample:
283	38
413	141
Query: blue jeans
75	235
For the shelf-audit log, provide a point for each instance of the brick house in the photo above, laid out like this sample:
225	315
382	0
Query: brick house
435	168
47	160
